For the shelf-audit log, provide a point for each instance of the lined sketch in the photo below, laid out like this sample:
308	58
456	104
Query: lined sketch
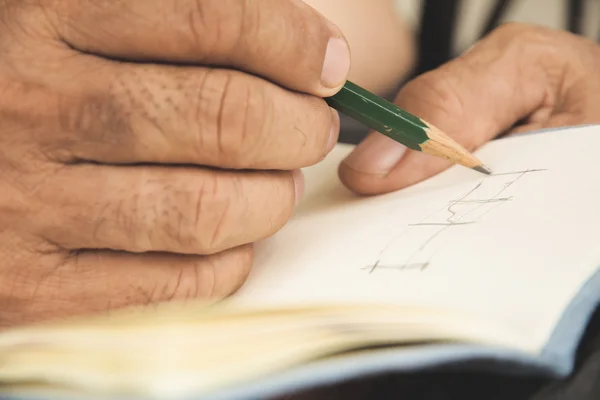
414	248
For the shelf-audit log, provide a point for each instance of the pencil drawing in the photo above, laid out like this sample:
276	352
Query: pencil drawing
527	171
466	210
441	223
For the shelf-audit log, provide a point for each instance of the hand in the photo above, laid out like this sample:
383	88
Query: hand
517	79
134	166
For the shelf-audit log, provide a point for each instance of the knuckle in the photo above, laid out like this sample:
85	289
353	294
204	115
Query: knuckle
26	116
523	38
242	259
25	27
200	27
213	278
195	218
168	224
317	123
95	118
239	119
212	215
194	281
13	14
210	28
435	93
91	120
253	124
203	280
24	189
16	98
308	123
127	216
34	115
538	48
440	98
35	281
244	31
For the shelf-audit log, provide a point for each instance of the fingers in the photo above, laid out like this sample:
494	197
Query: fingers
472	99
99	281
201	116
285	41
159	277
176	210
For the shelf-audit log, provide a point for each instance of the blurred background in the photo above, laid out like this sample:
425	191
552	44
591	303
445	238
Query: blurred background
467	20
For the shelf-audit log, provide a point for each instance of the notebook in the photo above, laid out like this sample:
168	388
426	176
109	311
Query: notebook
497	272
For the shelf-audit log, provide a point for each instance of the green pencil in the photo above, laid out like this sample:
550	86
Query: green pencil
401	126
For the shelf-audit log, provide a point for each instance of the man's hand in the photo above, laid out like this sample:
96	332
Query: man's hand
146	144
519	78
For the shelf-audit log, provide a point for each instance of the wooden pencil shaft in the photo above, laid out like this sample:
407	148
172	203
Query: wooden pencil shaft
380	115
401	126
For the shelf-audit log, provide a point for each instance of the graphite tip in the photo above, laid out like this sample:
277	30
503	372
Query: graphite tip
483	169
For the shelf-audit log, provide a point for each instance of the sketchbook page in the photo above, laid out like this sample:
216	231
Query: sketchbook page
513	248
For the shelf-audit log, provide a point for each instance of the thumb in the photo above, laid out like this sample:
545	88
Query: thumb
472	99
287	42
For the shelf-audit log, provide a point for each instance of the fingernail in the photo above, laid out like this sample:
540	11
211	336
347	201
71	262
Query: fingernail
377	154
334	131
298	178
337	63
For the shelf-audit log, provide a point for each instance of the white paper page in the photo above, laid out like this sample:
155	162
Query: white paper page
520	245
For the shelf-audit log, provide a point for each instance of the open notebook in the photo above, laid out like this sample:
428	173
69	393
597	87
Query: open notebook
500	268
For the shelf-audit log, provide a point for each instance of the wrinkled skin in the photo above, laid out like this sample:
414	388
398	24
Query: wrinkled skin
145	145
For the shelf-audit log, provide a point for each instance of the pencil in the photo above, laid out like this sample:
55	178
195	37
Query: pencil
392	121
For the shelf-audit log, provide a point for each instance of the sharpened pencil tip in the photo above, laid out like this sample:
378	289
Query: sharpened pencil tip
483	169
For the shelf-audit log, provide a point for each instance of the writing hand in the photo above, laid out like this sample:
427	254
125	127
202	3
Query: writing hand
517	79
146	144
